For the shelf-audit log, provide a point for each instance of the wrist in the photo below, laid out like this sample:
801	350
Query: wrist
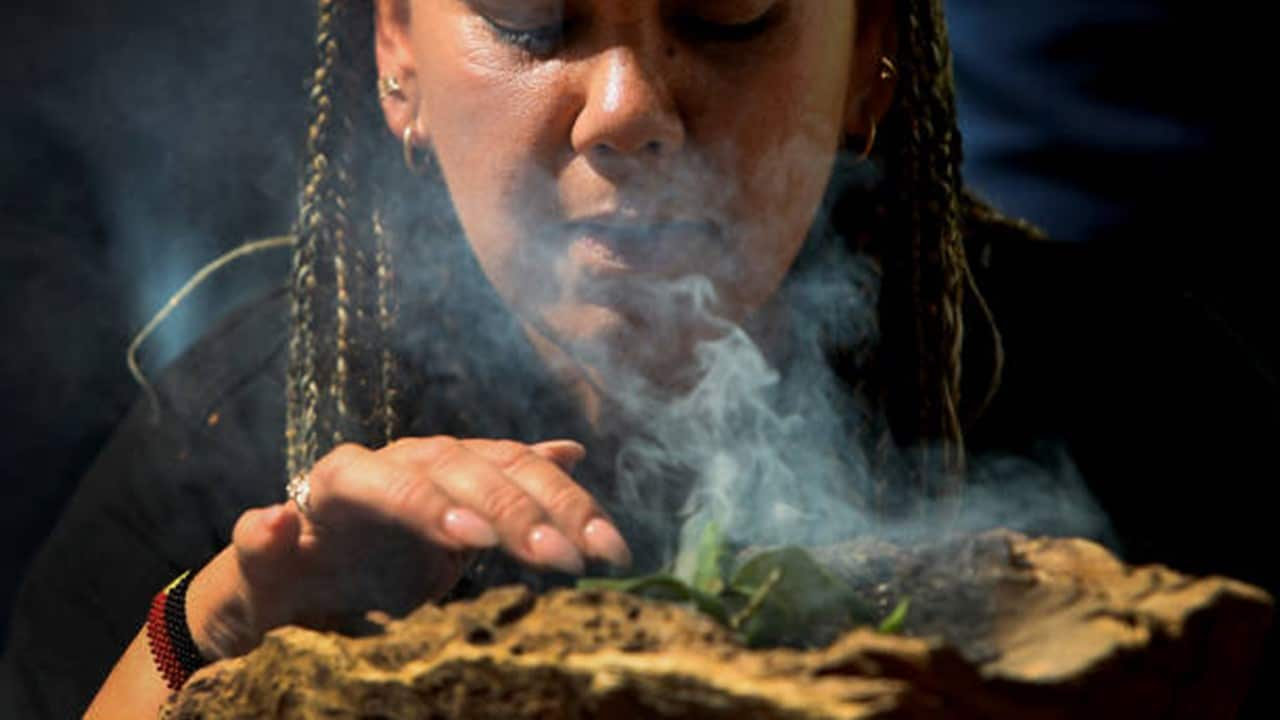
225	618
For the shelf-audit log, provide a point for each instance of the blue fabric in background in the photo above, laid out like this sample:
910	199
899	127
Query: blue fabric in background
1090	117
1140	125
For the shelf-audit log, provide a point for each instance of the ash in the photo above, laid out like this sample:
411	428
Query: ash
951	584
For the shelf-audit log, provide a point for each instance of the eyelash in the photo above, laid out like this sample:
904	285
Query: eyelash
543	41
538	42
706	31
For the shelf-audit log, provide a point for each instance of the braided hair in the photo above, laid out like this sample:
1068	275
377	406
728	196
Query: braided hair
342	377
922	249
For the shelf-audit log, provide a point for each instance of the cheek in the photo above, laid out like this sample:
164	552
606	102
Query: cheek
780	154
494	134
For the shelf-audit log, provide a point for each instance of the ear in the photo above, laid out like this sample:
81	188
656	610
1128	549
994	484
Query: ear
393	48
869	94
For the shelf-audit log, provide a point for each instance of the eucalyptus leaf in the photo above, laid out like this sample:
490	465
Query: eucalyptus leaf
897	620
775	597
713	550
804	604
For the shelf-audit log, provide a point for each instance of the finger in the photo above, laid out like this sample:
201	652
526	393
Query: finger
353	485
467	472
565	453
265	538
464	524
265	531
572	509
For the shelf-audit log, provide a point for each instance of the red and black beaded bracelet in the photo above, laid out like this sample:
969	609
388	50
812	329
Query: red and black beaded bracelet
172	646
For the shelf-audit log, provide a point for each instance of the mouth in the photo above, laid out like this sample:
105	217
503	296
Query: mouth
608	246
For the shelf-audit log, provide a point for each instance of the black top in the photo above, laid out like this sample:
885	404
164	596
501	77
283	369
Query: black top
161	498
1168	415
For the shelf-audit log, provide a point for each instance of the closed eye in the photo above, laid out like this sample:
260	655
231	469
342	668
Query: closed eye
702	29
538	41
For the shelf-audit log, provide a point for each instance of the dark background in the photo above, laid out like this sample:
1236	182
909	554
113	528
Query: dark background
140	139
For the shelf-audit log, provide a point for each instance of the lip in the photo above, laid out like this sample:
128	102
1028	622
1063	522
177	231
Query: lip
615	245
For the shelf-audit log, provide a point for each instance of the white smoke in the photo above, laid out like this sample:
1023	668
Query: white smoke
778	454
770	443
768	452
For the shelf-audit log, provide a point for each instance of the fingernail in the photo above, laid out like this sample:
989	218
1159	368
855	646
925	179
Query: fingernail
553	549
469	528
604	541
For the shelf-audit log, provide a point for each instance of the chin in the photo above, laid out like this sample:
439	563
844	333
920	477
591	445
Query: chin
618	343
589	325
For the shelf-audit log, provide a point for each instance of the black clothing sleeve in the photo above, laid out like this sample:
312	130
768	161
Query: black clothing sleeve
162	497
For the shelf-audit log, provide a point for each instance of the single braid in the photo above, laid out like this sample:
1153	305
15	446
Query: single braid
387	310
953	268
374	380
342	314
303	391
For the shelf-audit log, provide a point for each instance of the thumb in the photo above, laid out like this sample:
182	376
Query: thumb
266	534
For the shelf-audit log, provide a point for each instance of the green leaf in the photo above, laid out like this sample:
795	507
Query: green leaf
776	597
897	620
793	600
708	573
702	562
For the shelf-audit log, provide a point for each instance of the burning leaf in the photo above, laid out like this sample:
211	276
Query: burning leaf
800	603
897	620
705	566
775	597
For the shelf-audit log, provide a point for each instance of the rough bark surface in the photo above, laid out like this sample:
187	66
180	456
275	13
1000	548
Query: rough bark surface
1009	627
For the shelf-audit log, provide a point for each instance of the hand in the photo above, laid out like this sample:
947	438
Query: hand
391	529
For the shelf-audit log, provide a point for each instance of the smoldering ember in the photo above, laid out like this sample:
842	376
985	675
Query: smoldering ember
999	626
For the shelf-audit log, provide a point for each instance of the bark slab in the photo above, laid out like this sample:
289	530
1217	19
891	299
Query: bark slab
1002	626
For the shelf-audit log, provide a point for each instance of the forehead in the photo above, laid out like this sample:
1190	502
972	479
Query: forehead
632	10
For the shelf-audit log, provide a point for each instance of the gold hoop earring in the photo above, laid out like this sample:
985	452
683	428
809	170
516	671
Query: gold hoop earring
871	143
888	71
388	86
411	152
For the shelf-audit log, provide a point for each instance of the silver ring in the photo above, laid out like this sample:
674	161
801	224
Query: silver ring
299	490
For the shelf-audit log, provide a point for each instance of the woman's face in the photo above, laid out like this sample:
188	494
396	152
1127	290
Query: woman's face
598	150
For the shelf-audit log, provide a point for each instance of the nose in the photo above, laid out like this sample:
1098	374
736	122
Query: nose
629	109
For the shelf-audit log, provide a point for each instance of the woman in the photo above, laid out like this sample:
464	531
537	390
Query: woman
635	182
